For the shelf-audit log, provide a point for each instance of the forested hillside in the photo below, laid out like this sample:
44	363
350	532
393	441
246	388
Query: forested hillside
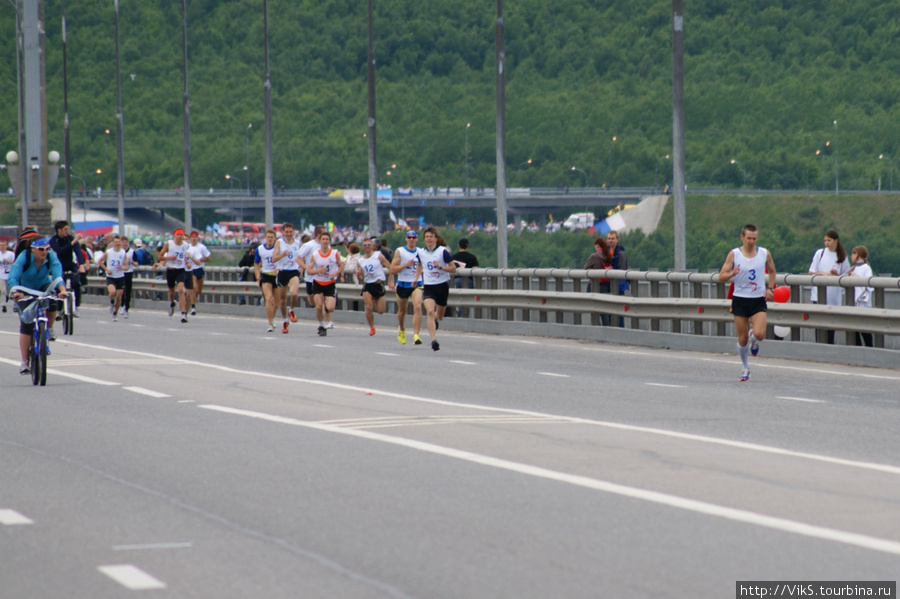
589	85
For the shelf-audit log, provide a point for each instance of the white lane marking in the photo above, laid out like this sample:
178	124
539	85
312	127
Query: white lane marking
148	392
802	399
322	345
664	385
700	507
54	372
526	342
398	421
185	401
132	577
463	363
220	334
562	376
442	402
384	353
150	546
13	518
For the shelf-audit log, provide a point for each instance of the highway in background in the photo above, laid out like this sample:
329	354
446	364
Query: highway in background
215	460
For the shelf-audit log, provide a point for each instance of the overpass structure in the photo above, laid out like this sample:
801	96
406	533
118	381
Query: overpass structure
519	200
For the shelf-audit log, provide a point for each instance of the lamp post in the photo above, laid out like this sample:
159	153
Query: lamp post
247	167
232	178
666	157
890	165
519	171
609	158
23	145
835	160
743	170
467	157
85	192
391	172
575	168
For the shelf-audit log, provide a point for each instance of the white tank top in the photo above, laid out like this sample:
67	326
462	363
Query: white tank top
288	261
408	274
372	268
264	257
130	254
750	281
114	261
330	261
306	250
433	273
175	253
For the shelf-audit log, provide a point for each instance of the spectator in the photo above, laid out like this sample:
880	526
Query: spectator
351	264
862	295
619	262
830	261
464	259
600	259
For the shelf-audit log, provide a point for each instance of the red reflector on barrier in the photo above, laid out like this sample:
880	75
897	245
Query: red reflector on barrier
543	301
699	310
806	317
625	308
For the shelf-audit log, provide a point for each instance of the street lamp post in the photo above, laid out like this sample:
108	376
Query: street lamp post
519	171
467	157
247	167
85	193
743	170
891	166
835	160
233	178
666	157
392	172
575	168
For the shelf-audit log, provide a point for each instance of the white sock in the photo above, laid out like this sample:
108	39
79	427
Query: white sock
743	352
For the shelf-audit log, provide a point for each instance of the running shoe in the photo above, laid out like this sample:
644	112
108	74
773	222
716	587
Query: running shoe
417	340
372	332
193	311
754	346
745	375
329	325
271	328
52	334
115	318
171	308
435	345
4	308
284	327
293	318
183	318
401	337
125	312
321	331
23	368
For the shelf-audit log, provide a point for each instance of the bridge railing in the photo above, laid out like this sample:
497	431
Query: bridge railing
689	303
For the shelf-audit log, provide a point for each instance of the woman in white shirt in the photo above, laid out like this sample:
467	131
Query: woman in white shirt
862	295
830	261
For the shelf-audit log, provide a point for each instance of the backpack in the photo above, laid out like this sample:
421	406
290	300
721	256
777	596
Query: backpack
143	257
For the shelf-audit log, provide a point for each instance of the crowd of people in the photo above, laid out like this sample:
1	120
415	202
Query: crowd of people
420	275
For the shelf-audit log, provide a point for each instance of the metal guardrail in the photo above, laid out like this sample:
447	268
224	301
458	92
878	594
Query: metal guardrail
679	302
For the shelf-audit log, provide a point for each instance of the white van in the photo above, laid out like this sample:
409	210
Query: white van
580	220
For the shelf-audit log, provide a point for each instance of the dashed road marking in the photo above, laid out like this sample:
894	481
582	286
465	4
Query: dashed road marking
398	421
384	353
664	385
802	399
149	546
13	518
132	577
562	376
463	363
148	392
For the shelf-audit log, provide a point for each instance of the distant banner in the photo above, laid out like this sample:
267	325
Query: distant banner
354	196
385	196
613	223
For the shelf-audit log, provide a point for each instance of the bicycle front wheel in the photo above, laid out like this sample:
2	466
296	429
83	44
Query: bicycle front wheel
38	355
69	315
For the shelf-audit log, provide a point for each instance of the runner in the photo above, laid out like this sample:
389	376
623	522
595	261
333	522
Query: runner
288	273
306	250
7	257
748	265
437	263
198	255
326	266
371	271
266	271
115	262
405	266
129	275
172	254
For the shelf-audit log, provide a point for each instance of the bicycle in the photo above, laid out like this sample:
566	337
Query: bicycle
67	314
33	309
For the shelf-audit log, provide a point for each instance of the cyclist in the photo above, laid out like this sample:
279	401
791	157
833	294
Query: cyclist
37	267
68	249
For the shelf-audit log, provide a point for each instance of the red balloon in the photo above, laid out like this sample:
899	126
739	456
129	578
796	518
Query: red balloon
782	294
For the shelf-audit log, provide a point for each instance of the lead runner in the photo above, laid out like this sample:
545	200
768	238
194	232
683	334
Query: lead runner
753	271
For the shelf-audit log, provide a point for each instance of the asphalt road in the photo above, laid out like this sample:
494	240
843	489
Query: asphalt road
215	460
